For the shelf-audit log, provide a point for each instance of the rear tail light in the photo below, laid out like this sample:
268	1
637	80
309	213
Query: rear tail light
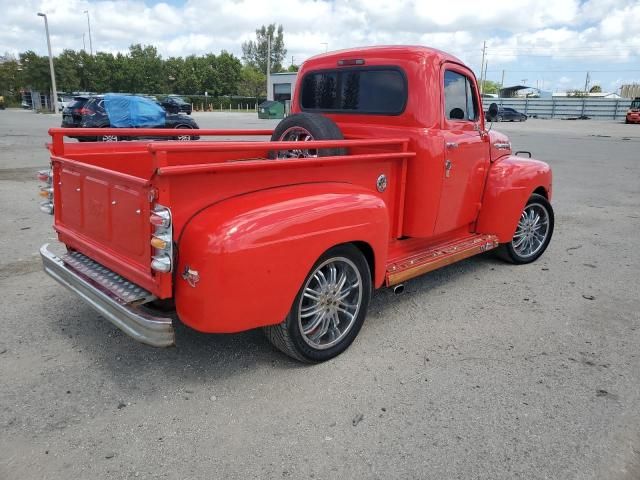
161	218
161	239
46	190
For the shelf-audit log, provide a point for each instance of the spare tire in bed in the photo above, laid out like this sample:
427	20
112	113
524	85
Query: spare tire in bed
302	127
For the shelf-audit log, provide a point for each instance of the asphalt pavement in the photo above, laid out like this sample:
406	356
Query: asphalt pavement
481	370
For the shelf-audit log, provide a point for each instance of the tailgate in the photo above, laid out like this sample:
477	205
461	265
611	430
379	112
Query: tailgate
105	215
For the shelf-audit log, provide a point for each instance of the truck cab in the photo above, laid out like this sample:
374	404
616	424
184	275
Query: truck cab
385	170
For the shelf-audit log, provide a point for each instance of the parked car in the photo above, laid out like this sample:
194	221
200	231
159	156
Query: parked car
94	115
176	104
72	113
293	234
507	114
633	114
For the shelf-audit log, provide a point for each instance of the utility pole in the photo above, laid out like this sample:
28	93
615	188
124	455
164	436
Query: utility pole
53	73
89	25
268	62
502	81
586	83
484	49
486	65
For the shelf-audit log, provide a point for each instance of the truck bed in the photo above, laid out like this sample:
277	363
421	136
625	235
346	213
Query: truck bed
104	192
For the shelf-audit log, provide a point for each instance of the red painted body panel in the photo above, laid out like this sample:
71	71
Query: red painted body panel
253	252
510	183
252	227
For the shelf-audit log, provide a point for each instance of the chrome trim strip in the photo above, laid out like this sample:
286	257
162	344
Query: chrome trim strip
132	320
502	146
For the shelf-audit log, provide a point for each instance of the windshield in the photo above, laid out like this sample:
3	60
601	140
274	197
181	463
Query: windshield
636	103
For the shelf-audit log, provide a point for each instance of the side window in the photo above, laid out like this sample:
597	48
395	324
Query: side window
459	102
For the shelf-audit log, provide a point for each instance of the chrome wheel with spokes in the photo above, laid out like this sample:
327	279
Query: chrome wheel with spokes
297	134
330	302
532	230
328	310
109	138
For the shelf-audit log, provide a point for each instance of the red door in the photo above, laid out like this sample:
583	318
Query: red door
466	152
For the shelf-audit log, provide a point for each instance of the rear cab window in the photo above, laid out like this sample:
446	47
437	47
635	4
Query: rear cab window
365	90
460	103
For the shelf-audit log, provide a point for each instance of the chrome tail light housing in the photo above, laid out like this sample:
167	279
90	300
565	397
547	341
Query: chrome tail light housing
46	190
161	239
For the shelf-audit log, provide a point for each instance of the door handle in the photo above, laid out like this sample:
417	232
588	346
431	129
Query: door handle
447	168
452	145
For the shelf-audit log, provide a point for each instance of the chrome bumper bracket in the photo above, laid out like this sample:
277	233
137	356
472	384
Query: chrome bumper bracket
116	301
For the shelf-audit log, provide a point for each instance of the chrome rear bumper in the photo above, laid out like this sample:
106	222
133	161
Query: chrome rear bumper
128	317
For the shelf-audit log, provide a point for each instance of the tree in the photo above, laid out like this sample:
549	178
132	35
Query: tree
252	82
67	71
293	68
9	76
595	89
255	53
35	71
229	73
145	69
490	87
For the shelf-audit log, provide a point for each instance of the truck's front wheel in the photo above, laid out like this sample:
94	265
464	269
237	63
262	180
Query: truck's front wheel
329	310
533	233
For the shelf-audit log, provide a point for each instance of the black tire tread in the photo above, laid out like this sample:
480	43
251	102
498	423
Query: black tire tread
279	337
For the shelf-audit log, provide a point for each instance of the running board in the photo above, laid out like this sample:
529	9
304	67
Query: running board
429	259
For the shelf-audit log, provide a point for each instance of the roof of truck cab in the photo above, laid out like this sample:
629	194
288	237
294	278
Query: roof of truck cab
387	51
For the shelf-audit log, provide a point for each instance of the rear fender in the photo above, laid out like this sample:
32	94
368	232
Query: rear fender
510	183
252	252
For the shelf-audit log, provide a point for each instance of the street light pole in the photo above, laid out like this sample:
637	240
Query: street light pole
53	73
89	25
268	62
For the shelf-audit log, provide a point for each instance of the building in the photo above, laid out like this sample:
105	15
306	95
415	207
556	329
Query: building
631	90
281	87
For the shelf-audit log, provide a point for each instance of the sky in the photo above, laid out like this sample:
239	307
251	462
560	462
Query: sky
550	44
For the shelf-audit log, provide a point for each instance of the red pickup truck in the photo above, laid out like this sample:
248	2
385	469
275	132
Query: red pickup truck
384	171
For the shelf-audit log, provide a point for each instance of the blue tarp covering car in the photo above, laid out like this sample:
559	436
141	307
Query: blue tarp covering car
133	111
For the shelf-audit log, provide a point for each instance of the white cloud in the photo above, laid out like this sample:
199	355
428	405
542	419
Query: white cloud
528	32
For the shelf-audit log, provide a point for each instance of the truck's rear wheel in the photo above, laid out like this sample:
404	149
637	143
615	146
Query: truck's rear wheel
329	310
533	233
304	127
